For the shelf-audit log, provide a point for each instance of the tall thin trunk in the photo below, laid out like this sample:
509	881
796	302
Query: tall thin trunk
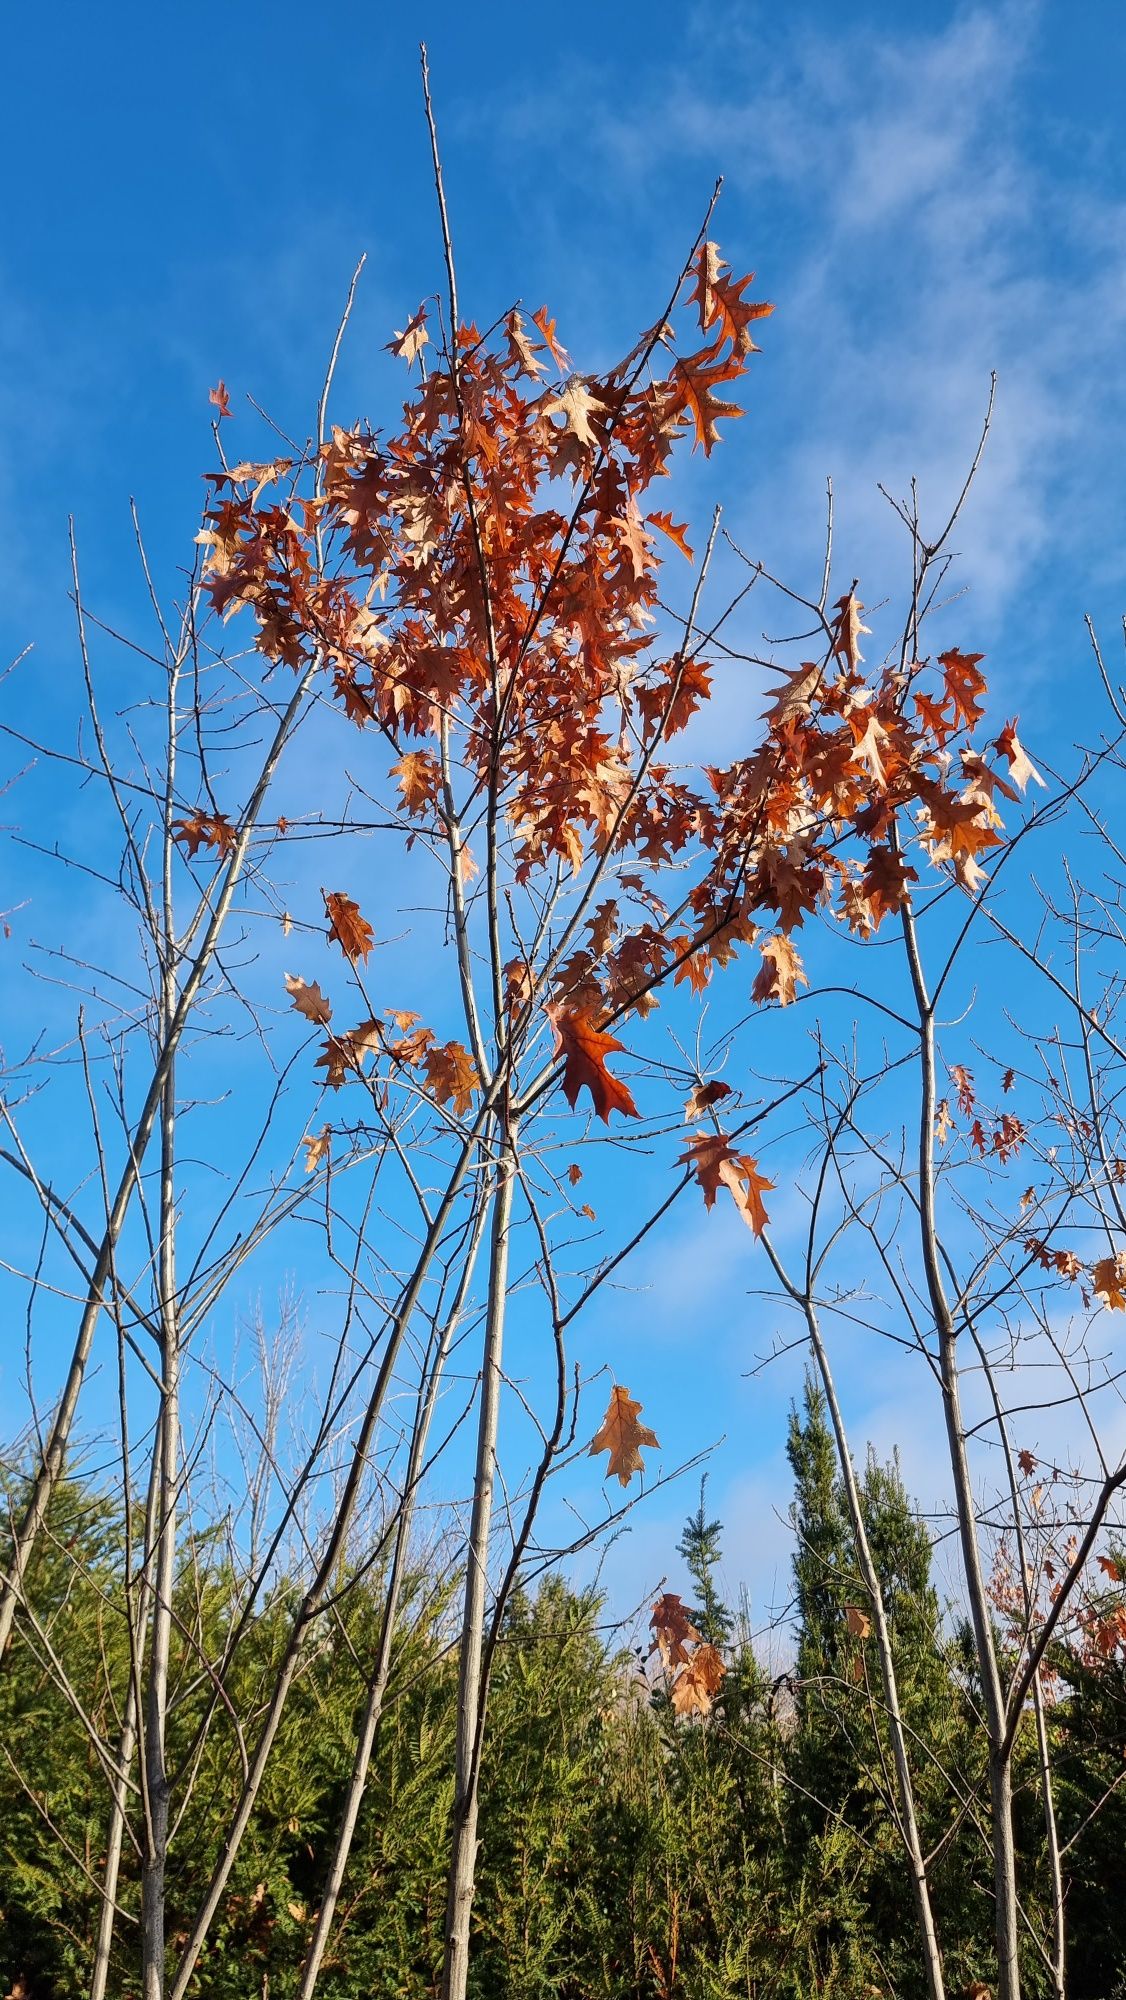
54	1453
908	1817
471	1690
373	1708
126	1747
993	1698
315	1595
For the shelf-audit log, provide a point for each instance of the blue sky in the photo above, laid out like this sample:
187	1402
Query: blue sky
926	195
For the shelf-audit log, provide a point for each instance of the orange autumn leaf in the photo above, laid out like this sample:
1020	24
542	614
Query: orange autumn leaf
1110	1568
347	927
576	404
622	1436
546	326
202	829
719	297
451	1074
673	1630
846	630
780	973
964	684
858	1622
409	344
221	399
669	527
702	1097
308	999
316	1147
715	1163
420	780
696	378
697	1684
584	1048
1108	1281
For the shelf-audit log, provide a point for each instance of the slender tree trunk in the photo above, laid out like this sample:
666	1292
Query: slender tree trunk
373	1709
318	1589
471	1690
126	1748
54	1453
908	1817
993	1698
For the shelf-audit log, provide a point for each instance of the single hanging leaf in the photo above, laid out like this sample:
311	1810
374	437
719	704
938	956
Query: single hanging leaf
702	1097
669	527
1021	767
1108	1280
1110	1568
523	351
420	780
574	404
219	396
556	350
409	344
308	999
719	297
316	1147
847	629
716	1164
963	684
858	1621
780	972
694	380
451	1075
585	1048
622	1436
347	927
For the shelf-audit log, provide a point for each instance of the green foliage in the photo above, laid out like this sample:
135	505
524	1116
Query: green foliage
625	1854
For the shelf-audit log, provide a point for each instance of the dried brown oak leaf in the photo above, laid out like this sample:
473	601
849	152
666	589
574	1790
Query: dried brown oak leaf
673	1630
308	999
697	1685
584	1048
346	927
622	1436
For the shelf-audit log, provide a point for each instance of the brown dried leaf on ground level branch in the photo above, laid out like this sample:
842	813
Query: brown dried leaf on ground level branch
622	1436
308	999
584	1048
696	1685
673	1630
346	927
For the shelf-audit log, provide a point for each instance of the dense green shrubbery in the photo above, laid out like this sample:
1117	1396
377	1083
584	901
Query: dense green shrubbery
626	1854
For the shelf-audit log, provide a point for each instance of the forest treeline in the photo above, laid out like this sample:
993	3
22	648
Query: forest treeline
627	1853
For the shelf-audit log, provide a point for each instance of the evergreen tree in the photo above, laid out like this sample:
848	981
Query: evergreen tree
700	1547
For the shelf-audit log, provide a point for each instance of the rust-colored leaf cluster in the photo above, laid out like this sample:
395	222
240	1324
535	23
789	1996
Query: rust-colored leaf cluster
695	1668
